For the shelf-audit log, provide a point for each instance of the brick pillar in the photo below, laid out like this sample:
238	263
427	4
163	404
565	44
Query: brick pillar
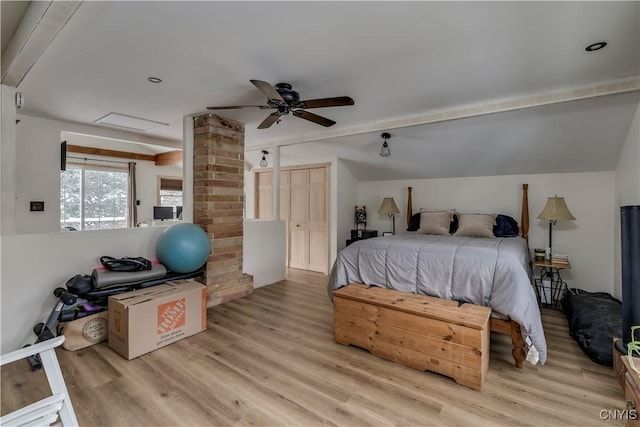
218	187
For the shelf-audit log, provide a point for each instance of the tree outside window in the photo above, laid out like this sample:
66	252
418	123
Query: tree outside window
93	198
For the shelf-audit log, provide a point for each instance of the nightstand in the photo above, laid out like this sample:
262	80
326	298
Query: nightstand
361	235
549	284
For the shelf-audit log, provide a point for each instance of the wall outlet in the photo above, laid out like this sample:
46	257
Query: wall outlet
36	206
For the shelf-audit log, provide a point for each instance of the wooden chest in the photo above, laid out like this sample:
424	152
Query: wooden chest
422	332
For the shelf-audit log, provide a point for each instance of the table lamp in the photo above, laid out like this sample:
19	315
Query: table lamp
555	210
389	207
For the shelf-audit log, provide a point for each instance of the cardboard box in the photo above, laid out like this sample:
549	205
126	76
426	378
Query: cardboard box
147	319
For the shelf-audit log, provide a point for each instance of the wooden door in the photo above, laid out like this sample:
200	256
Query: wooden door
264	195
285	206
318	220
303	206
299	219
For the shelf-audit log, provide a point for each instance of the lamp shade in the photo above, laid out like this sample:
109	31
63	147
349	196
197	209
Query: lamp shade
388	206
556	210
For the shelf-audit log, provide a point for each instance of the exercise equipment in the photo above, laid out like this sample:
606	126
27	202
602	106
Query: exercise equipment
183	248
106	278
61	312
82	299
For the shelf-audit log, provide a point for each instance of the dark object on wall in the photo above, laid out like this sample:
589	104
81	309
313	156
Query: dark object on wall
360	217
163	212
63	156
630	239
594	320
36	206
178	212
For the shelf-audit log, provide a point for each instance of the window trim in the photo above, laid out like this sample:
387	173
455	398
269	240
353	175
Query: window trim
159	185
83	166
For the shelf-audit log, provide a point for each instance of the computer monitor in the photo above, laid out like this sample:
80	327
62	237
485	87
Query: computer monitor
163	212
178	212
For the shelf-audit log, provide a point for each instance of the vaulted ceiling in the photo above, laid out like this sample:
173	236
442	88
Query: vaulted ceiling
399	61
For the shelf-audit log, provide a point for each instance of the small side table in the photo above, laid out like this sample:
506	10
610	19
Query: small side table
551	290
364	234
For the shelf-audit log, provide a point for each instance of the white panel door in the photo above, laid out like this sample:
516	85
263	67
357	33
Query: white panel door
318	236
299	219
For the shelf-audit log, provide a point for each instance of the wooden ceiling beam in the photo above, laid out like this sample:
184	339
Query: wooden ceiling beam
169	158
110	153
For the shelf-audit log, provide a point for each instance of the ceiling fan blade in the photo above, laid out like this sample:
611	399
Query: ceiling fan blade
233	107
271	119
323	121
267	89
324	102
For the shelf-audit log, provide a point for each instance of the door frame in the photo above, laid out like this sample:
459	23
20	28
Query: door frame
327	195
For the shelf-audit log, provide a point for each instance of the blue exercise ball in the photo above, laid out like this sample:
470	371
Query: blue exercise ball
183	248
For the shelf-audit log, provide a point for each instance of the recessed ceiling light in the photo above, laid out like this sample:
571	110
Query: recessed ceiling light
595	46
154	80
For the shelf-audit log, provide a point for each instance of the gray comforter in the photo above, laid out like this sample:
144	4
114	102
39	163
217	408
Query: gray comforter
490	272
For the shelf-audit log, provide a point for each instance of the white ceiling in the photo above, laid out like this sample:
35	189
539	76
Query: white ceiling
395	59
12	12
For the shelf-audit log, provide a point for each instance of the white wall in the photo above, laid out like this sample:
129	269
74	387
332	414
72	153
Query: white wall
147	174
37	175
33	265
264	251
588	240
627	189
249	196
346	201
7	159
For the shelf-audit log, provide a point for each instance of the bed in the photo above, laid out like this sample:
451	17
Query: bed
493	272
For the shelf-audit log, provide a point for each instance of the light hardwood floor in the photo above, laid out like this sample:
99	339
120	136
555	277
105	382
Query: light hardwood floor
269	359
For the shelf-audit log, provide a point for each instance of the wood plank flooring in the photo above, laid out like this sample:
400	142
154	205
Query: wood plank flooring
270	360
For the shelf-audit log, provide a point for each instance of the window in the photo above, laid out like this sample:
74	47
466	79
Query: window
170	194
93	197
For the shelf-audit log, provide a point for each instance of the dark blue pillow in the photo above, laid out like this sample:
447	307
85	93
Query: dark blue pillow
414	223
505	226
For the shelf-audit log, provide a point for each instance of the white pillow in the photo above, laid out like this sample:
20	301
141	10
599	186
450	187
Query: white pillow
476	225
435	222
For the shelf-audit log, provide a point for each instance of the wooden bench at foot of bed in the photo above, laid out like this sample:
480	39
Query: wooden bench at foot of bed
421	332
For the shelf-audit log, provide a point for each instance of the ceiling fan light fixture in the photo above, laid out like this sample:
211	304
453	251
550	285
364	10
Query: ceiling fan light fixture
595	46
263	162
384	150
285	100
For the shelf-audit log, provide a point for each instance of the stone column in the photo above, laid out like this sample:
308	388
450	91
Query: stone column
218	187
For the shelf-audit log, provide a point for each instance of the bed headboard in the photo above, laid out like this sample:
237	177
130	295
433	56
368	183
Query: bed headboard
524	217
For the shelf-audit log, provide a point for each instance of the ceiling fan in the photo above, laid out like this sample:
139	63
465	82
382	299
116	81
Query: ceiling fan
285	100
